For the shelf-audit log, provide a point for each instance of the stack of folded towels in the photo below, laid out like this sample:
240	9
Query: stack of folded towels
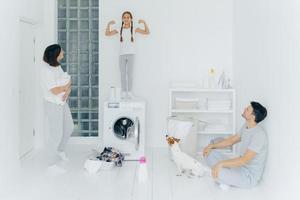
219	105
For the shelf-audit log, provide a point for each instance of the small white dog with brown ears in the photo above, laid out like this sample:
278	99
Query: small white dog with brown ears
183	161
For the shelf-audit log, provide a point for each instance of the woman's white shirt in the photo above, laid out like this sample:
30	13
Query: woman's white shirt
53	77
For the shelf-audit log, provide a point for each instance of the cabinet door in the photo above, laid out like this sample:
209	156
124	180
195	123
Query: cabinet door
27	92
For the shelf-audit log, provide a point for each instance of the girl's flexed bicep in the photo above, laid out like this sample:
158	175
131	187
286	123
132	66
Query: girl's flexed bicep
144	31
108	31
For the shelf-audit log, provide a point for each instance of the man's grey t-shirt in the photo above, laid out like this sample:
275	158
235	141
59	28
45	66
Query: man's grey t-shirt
254	139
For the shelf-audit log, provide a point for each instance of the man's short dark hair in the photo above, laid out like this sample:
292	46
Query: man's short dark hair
259	111
51	53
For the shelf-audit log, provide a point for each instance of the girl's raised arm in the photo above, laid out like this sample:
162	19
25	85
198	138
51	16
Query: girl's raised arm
144	31
109	32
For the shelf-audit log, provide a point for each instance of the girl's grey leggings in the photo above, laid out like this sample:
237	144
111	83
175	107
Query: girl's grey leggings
126	67
60	127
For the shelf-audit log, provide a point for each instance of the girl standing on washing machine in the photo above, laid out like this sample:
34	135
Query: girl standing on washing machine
127	49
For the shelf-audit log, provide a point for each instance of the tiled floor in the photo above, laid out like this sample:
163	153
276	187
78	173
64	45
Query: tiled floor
119	183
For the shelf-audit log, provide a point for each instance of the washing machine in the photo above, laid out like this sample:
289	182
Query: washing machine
124	127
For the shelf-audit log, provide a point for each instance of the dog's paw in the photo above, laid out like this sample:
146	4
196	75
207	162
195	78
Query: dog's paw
179	174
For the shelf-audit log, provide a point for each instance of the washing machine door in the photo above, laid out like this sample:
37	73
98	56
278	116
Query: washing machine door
134	133
125	128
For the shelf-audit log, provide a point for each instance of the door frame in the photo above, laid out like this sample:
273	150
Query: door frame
33	23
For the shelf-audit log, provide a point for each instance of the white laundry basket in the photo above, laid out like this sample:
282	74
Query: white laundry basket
185	130
92	166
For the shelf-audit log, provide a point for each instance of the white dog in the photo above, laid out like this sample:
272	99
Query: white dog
184	161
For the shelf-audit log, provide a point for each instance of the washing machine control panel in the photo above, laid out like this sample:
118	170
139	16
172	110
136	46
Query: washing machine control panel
127	104
113	105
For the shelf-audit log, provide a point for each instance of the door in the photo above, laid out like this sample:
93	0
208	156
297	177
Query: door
126	129
27	92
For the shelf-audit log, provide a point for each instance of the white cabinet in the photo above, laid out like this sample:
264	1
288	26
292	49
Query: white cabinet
212	109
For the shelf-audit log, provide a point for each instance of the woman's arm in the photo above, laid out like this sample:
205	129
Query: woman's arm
61	89
66	95
109	32
144	31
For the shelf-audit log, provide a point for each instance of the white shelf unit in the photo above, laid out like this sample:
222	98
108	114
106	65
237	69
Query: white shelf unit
198	104
199	111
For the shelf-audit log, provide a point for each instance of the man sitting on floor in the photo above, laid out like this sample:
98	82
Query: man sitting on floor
245	170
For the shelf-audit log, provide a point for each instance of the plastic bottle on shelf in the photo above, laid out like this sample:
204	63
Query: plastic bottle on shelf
212	80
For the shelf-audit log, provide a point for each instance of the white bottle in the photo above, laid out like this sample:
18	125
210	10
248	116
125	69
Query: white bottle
118	94
112	95
142	173
211	80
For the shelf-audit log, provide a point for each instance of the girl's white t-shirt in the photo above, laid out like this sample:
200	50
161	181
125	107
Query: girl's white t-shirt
53	77
127	46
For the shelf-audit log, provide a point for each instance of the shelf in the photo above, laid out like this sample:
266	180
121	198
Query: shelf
225	151
207	109
199	111
215	132
200	90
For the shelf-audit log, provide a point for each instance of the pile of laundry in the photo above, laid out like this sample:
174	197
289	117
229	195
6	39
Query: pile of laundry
106	160
110	154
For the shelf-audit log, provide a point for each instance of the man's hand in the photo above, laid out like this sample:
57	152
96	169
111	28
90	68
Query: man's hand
207	150
216	170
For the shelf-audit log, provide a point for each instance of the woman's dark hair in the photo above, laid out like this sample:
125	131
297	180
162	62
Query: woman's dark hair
259	111
131	26
51	53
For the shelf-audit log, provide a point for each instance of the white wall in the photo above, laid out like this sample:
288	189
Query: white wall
186	39
266	69
30	9
10	14
45	36
43	14
9	51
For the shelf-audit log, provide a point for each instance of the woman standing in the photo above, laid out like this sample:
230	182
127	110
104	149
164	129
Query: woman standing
56	92
127	49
